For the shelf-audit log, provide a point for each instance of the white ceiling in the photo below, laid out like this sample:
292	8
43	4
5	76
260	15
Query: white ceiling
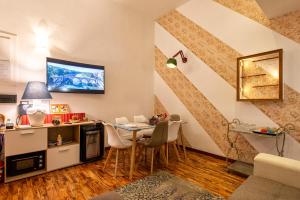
152	8
275	8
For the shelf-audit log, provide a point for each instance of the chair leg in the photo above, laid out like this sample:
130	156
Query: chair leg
145	156
182	141
152	157
163	154
129	153
124	160
139	157
176	151
108	158
117	161
167	153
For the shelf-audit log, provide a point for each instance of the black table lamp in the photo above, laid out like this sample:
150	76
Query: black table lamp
36	91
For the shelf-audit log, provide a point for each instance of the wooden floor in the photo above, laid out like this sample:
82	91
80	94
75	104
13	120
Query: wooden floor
87	180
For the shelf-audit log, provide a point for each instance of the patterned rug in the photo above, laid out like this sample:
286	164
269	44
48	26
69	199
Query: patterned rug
163	185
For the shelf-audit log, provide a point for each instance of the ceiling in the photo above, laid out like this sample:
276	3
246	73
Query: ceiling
152	8
275	8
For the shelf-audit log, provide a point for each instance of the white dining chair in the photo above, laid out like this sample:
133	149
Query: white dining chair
122	120
116	143
140	119
124	133
172	138
143	119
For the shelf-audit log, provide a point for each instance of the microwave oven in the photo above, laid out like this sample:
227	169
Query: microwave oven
25	163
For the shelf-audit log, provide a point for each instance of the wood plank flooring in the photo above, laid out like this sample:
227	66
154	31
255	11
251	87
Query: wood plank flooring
88	180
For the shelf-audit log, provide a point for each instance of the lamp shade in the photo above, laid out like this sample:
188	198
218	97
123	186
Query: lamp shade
172	63
36	90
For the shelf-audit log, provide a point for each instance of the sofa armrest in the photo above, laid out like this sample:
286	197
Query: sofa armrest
282	170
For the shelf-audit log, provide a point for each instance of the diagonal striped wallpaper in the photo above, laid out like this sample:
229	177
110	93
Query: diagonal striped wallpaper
222	59
158	106
203	41
202	110
287	25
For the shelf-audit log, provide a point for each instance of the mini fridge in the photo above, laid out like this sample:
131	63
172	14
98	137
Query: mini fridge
91	142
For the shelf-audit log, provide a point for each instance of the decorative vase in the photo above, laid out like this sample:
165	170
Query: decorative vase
36	117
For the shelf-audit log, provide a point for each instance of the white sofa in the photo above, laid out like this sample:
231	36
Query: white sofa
274	177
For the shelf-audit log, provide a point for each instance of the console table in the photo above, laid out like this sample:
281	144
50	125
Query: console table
235	126
26	139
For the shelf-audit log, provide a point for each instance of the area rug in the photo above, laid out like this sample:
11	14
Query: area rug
163	185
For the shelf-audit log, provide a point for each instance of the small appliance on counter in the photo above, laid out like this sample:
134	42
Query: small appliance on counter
25	163
91	142
56	120
9	124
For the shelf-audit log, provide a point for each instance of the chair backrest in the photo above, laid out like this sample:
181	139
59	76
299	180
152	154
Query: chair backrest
122	120
174	117
140	119
113	137
173	130
159	135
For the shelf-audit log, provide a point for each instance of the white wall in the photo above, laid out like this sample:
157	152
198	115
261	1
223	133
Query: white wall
96	32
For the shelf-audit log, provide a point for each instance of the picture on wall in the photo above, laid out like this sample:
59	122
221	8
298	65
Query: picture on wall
59	108
66	76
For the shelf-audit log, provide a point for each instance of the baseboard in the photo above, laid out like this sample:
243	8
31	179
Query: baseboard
209	154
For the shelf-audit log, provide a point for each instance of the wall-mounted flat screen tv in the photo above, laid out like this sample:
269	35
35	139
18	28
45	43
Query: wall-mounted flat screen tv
73	77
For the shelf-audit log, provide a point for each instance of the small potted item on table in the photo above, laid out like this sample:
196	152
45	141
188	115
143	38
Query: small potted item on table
157	118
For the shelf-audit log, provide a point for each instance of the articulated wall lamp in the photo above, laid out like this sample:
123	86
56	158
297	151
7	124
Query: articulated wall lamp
172	62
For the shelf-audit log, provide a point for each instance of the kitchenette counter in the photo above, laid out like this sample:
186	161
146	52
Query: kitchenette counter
26	127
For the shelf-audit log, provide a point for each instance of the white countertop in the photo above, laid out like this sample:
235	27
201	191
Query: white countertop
24	127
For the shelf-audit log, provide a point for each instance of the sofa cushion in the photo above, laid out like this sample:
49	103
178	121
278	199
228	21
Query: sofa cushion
264	189
276	168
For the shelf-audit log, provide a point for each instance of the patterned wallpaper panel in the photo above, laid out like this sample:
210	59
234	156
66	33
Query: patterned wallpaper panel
159	107
199	106
248	8
287	25
208	48
222	59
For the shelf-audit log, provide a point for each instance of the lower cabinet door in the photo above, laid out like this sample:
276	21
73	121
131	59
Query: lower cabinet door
64	156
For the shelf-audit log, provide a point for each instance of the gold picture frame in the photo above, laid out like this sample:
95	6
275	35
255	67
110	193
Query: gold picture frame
259	76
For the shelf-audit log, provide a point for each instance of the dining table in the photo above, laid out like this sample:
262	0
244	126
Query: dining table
136	127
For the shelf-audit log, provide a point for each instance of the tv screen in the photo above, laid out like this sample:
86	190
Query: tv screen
72	77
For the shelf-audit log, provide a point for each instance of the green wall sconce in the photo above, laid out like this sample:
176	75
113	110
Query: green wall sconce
172	62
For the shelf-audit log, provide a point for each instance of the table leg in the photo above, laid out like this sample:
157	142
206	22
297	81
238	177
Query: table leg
132	159
182	142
